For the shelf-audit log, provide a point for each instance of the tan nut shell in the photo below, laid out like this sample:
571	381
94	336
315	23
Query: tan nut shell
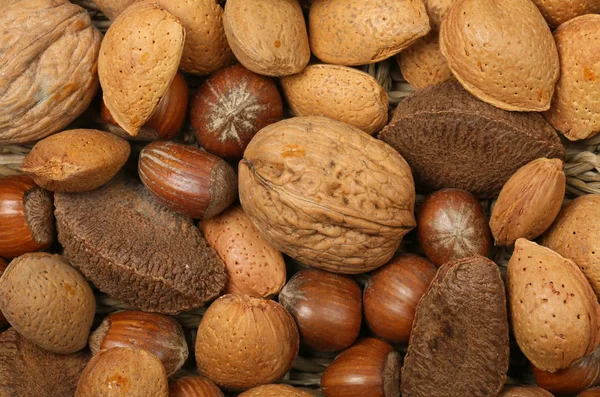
48	65
422	64
356	32
123	372
502	52
575	234
437	11
557	12
48	302
575	109
275	391
254	266
139	58
338	92
529	201
524	391
112	8
267	36
553	309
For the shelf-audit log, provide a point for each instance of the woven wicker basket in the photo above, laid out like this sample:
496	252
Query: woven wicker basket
583	177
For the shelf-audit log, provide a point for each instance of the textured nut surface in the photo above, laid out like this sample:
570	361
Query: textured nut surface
423	64
125	372
575	109
460	332
194	386
314	188
340	93
112	8
575	234
557	12
28	370
267	36
244	342
275	391
139	58
529	201
254	266
340	35
554	311
76	160
524	391
48	302
450	139
438	11
48	64
502	52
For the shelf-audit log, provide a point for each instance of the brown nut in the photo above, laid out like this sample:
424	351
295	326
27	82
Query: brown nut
48	302
438	11
153	332
275	391
25	215
112	8
138	60
340	93
529	202
244	342
327	308
299	183
230	107
186	179
392	293
422	64
452	225
584	374
576	102
76	160
524	391
123	372
194	386
593	392
502	52
554	312
267	36
557	12
369	368
340	35
254	266
48	66
575	234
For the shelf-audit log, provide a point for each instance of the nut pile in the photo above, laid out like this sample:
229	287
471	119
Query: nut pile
230	159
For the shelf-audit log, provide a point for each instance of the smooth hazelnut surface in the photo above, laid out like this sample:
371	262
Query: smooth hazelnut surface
580	376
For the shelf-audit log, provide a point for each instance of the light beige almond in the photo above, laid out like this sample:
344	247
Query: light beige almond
139	58
254	266
502	52
267	36
575	234
437	11
554	312
112	8
529	201
557	12
422	64
340	93
275	390
575	109
340	33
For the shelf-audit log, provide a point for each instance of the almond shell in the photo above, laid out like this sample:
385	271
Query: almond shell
422	64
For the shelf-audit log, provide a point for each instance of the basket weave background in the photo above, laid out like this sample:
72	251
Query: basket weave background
582	168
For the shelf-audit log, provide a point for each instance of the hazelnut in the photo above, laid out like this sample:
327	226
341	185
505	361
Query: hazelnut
593	392
194	386
584	374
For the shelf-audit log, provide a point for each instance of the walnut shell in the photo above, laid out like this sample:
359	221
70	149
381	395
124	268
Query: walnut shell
243	342
422	64
327	194
338	92
502	52
267	36
575	234
575	109
557	12
138	60
275	391
48	65
554	312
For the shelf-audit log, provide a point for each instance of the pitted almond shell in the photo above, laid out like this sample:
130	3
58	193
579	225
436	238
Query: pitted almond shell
575	109
502	52
437	11
557	12
422	64
529	201
340	93
340	35
112	8
554	312
139	58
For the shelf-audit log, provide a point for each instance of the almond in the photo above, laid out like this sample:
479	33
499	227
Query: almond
524	391
138	60
112	8
423	64
437	11
557	12
502	52
575	109
553	308
338	92
529	201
